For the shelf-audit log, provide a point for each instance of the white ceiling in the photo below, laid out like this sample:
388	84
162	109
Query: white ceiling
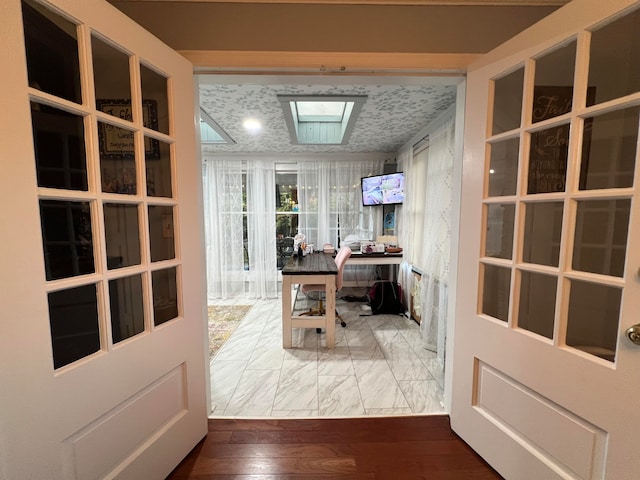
395	111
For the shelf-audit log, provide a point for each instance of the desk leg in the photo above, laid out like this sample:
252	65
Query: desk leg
286	311
331	310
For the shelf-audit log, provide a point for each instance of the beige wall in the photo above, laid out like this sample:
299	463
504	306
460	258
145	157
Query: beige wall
331	28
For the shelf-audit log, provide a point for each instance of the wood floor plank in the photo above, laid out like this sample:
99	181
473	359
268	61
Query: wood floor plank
315	476
276	466
269	450
394	448
219	436
384	429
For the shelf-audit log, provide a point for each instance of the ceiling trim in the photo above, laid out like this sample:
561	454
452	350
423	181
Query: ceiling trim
329	63
517	3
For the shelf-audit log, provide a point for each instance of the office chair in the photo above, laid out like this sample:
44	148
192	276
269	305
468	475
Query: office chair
341	259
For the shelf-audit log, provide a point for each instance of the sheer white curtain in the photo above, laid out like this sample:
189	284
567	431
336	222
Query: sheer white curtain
424	229
330	200
331	208
314	199
261	227
223	190
239	266
405	219
437	237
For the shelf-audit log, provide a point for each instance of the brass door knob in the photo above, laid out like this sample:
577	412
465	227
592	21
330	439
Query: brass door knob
633	333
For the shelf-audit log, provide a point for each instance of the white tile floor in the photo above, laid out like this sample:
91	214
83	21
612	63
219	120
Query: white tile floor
378	367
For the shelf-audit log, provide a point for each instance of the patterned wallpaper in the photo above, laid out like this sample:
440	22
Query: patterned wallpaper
389	118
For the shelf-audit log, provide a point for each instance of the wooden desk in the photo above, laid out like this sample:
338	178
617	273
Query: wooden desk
315	268
357	258
374	258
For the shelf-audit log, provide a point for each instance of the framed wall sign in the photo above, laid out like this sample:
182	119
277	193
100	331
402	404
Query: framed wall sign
114	144
549	148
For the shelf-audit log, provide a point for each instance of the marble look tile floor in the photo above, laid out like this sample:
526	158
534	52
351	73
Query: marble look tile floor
377	368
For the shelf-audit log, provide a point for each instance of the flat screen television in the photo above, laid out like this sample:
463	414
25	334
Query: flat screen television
387	189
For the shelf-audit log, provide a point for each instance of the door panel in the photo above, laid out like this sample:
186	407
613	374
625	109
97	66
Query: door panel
103	349
544	384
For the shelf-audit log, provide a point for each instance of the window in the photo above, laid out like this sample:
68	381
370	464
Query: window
321	119
286	212
211	132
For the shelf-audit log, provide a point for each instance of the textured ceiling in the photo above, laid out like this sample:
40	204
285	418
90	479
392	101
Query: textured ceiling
391	116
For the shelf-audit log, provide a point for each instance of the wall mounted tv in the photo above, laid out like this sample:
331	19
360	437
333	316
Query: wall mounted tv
387	189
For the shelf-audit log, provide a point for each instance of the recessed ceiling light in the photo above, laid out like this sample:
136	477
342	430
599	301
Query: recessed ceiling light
252	126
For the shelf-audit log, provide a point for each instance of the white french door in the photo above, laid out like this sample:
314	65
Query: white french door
545	378
102	354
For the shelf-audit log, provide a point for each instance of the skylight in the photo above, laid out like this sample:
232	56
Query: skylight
211	132
321	119
320	111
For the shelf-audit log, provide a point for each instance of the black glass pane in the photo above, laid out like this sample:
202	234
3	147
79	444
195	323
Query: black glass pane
67	238
548	160
600	243
553	90
52	52
127	310
537	303
614	65
609	150
496	292
161	233
503	167
507	102
73	315
158	168
117	160
122	236
499	230
542	231
165	295
110	73
155	100
58	140
594	318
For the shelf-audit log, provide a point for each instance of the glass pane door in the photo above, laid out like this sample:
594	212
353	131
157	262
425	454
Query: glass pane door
559	180
104	163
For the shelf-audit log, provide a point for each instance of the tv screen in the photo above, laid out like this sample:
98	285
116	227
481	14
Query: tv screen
387	189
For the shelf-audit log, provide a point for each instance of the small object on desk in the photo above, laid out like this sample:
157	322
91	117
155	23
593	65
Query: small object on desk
394	249
328	248
371	247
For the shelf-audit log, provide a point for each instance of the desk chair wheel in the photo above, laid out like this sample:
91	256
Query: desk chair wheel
343	323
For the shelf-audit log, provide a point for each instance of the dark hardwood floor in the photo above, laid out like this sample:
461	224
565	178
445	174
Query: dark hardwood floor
395	448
